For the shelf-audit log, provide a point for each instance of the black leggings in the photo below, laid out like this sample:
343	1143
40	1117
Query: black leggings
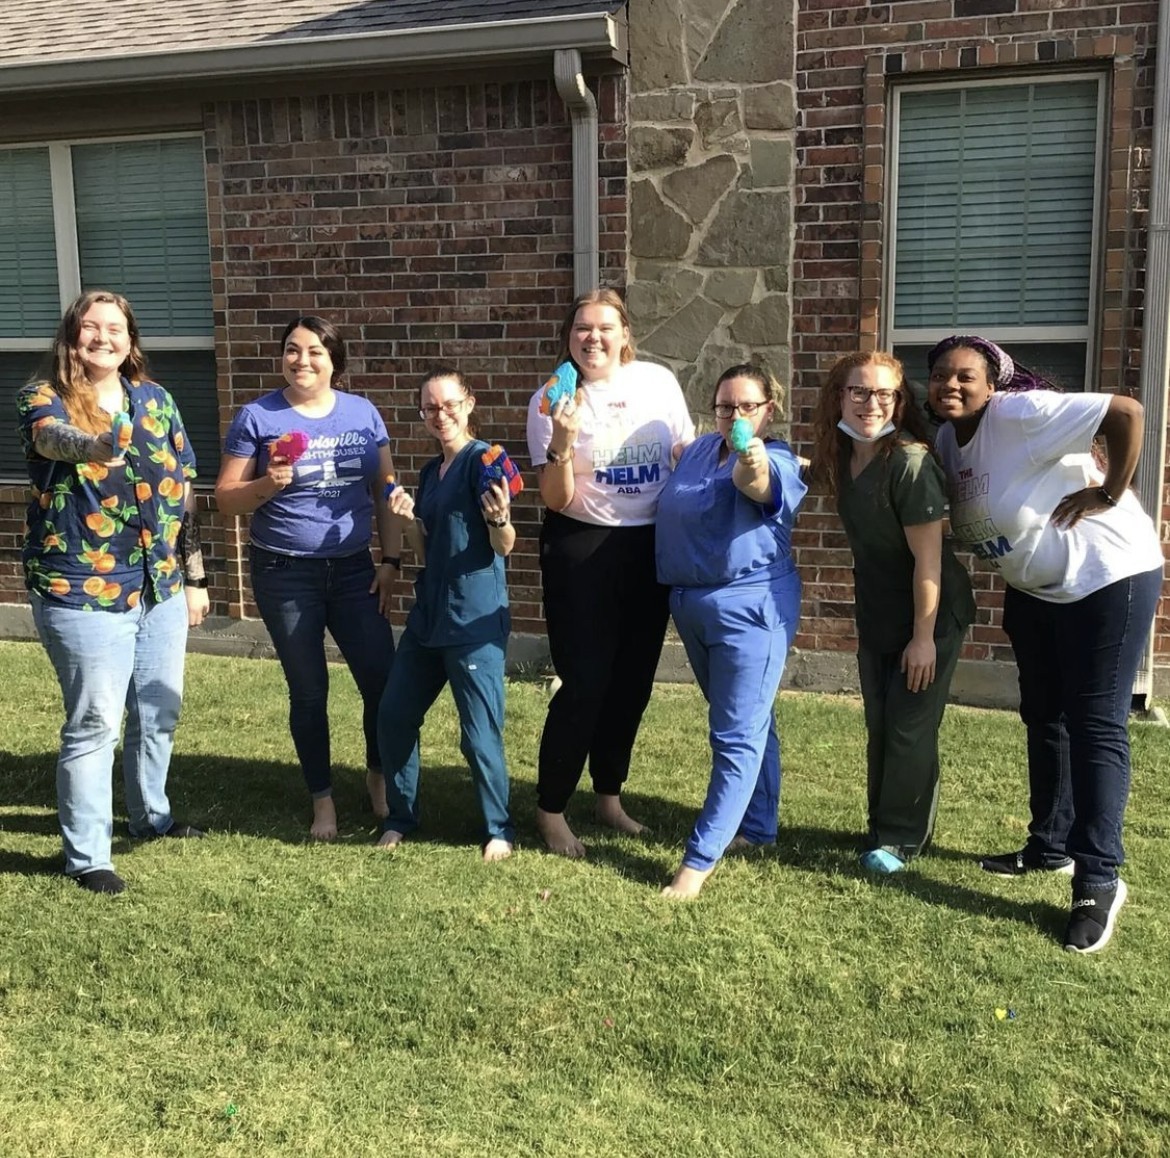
606	615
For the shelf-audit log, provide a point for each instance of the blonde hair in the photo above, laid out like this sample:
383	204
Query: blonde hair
597	297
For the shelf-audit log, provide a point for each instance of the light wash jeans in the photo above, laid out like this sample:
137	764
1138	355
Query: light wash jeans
107	663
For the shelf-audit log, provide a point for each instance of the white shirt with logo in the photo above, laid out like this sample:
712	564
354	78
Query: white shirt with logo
1030	450
621	459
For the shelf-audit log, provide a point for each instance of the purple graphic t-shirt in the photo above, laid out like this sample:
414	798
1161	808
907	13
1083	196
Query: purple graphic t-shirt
326	511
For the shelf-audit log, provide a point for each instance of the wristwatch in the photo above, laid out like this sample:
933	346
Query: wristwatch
394	561
556	457
199	584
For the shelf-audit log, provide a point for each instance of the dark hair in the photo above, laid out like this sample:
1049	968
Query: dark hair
830	443
329	335
64	372
765	381
1002	369
597	297
442	370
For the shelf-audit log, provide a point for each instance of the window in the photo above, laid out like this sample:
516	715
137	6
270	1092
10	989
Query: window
994	204
124	215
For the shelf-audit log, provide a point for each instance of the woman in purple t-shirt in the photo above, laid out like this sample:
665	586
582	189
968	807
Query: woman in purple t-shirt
310	544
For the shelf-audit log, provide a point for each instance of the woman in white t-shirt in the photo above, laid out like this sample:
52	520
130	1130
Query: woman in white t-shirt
602	459
1083	568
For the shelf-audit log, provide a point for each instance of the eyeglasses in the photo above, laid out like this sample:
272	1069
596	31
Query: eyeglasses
862	394
450	409
728	409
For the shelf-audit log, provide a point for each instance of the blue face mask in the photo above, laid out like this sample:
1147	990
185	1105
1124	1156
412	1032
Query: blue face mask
844	426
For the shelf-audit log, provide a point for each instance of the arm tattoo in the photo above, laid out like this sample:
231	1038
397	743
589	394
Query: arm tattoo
65	443
189	547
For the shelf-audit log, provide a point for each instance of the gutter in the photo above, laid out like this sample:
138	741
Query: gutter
583	113
599	36
1155	371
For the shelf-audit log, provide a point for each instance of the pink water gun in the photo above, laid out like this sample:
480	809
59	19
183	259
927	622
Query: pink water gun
741	435
562	384
498	467
289	446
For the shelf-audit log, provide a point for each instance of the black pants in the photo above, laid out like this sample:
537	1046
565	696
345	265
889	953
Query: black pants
606	615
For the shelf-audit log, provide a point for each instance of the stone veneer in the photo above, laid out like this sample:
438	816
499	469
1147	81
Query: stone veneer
712	114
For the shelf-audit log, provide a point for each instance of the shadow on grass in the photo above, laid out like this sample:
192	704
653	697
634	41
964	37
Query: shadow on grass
833	851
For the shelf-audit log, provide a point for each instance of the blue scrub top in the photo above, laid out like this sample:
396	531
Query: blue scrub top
461	595
709	534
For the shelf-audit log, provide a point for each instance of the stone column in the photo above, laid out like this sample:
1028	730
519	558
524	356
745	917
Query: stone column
711	145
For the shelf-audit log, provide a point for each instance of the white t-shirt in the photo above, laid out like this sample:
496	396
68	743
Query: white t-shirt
621	459
1029	451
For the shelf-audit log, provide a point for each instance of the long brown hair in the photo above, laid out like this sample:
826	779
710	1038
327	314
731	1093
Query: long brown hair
829	443
63	369
597	297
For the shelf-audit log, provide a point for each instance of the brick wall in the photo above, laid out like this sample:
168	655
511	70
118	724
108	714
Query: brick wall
848	54
430	225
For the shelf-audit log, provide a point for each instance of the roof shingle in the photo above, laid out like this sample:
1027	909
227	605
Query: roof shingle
42	31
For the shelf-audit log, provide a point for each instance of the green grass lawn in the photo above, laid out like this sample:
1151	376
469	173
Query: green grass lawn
252	994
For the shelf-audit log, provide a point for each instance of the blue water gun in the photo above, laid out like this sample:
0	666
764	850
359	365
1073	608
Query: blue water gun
562	384
498	467
391	483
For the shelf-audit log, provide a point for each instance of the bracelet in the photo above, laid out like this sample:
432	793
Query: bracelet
556	457
199	584
1106	497
394	561
497	523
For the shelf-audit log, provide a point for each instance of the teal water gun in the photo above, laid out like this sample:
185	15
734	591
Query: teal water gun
121	431
562	384
741	435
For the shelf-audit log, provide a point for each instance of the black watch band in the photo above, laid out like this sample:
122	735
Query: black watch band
199	584
394	561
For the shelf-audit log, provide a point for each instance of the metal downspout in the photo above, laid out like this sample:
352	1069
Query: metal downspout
1149	478
583	112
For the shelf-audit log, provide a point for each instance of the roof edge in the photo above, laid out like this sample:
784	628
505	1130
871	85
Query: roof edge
596	36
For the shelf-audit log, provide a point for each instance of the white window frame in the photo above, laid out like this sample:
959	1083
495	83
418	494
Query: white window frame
891	335
65	234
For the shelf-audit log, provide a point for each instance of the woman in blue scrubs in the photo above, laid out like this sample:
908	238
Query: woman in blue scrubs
723	542
457	631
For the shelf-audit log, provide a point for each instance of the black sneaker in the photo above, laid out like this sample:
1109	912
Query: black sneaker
1094	913
104	881
1017	864
182	831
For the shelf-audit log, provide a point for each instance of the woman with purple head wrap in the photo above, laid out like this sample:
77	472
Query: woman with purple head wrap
1083	568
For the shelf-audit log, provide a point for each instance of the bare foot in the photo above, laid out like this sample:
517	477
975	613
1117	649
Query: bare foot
687	883
557	835
496	849
609	811
389	839
376	787
324	825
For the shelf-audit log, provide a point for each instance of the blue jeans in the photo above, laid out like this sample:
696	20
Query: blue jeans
109	663
298	599
1077	663
476	675
737	640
